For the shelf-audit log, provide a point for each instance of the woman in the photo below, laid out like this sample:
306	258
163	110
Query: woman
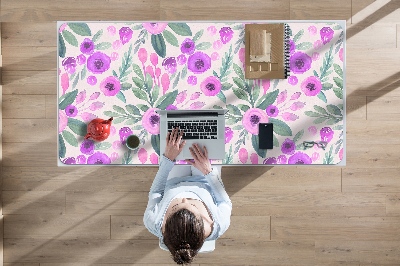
184	210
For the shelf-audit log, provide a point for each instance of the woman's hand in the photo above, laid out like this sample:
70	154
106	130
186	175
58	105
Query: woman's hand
200	159
174	145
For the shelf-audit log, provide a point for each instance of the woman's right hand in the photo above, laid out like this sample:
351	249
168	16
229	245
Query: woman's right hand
200	159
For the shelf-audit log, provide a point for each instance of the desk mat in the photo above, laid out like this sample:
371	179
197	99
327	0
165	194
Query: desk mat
128	70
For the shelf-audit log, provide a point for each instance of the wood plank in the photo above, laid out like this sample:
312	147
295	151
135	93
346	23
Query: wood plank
381	180
35	34
51	106
21	264
33	202
227	251
106	203
384	155
356	108
53	226
384	36
42	62
47	178
368	12
311	10
309	204
224	10
364	252
30	154
358	6
40	130
75	10
383	108
373	131
249	227
335	228
112	264
24	106
270	179
372	81
29	82
393	204
129	227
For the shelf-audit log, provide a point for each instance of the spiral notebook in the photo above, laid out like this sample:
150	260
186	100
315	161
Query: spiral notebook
267	51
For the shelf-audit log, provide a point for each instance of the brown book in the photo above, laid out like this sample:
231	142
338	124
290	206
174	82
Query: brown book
266	51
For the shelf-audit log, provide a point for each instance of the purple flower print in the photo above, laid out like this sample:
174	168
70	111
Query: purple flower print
125	34
188	46
181	59
252	118
226	34
98	63
81	59
71	110
211	86
192	80
282	159
292	80
292	46
155	28
151	121
311	86
326	134
69	64
87	147
81	159
142	55
300	63
272	111
288	146
124	133
326	34
270	160
92	80
228	134
62	121
199	62
171	107
69	160
299	158
169	64
87	46
98	158
110	86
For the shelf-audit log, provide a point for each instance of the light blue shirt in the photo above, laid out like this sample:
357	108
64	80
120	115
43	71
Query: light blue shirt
209	188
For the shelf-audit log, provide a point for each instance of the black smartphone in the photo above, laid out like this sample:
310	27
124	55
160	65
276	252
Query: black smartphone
265	136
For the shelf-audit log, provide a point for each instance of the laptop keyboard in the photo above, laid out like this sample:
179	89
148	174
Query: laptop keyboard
196	129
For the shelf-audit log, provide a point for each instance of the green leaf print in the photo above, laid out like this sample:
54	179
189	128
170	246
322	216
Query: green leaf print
155	143
267	99
61	46
170	38
97	36
180	28
103	46
67	99
338	82
158	43
240	93
203	46
70	138
77	126
321	95
80	28
61	146
70	38
338	92
198	35
338	70
298	36
304	46
166	99
280	127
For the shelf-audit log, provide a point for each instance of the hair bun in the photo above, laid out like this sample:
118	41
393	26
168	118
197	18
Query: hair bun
184	245
183	255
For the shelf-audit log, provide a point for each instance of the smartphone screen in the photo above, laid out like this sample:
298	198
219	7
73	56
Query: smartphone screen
265	136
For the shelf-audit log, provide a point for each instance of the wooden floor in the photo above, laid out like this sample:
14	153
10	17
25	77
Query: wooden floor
281	215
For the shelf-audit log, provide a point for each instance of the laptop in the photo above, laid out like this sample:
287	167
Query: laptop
205	127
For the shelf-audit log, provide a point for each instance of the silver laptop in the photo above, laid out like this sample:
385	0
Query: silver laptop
204	127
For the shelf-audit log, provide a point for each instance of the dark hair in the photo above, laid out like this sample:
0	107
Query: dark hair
184	235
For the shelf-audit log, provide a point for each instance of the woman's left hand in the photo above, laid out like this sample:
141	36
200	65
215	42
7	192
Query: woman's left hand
174	144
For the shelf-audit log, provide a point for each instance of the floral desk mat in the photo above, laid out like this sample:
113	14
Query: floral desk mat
129	70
